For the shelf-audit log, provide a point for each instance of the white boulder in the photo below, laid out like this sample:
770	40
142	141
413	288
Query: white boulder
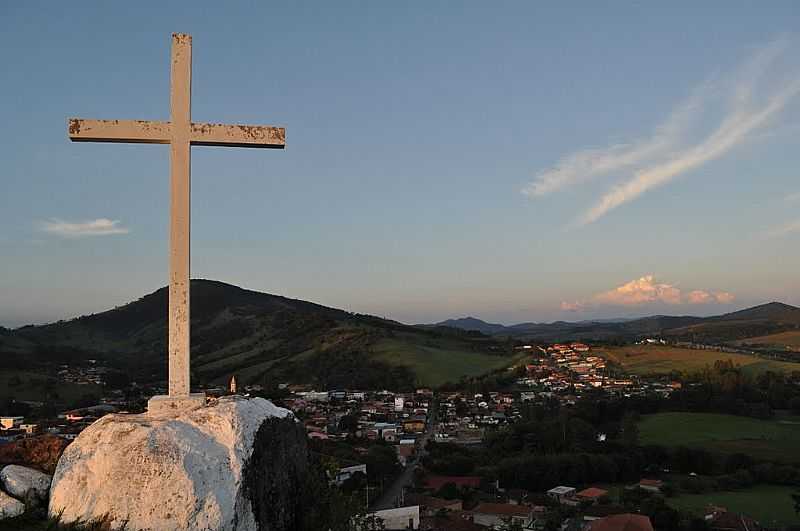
225	466
9	507
25	483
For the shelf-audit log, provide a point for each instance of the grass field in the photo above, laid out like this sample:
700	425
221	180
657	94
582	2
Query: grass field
777	439
784	340
435	365
659	359
771	505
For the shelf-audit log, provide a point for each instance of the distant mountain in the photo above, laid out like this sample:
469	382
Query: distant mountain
473	324
751	322
253	335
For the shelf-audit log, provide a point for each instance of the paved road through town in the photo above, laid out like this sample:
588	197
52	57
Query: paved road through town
392	495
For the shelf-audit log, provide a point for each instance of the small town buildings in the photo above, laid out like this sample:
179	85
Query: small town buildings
561	493
430	505
502	514
399	518
651	485
11	423
450	521
405	453
414	425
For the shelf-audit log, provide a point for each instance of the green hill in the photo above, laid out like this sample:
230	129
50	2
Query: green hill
256	336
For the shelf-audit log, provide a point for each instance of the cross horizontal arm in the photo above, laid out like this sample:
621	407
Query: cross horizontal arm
238	135
140	131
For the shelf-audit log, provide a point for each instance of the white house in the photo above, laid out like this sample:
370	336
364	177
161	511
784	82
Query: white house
561	493
400	518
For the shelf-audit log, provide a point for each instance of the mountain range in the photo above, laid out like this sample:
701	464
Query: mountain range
759	320
263	338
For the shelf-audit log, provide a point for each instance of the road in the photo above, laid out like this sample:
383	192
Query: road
391	496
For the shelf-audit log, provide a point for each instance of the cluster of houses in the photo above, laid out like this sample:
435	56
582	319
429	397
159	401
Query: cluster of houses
83	375
565	371
501	509
66	425
397	418
462	417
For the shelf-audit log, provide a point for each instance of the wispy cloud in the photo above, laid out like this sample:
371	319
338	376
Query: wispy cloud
671	151
589	163
791	198
95	227
648	290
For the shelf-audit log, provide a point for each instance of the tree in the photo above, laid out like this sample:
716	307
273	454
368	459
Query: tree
796	500
348	423
630	429
449	491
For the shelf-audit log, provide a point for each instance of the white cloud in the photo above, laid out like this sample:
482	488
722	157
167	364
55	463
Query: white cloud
644	289
95	227
575	306
648	290
791	198
724	297
672	150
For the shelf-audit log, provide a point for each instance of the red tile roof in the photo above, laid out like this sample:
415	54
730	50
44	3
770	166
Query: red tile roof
437	482
622	522
592	492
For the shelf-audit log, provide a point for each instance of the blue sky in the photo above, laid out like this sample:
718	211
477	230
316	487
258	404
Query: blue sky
513	161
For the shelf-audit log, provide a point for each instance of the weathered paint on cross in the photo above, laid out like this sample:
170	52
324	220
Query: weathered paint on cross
180	133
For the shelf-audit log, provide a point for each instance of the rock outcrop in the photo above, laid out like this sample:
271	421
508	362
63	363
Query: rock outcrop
26	484
9	507
40	452
238	464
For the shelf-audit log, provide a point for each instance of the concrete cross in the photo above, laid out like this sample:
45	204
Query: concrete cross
180	133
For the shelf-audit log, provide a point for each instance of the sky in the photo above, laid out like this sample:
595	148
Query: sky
514	161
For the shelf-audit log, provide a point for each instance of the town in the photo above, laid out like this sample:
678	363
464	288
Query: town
398	451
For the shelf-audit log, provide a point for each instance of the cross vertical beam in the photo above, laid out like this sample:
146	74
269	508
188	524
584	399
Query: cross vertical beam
180	133
180	214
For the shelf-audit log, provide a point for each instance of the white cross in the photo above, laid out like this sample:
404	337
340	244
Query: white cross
180	133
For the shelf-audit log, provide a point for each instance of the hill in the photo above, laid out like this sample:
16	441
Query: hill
258	337
471	324
762	320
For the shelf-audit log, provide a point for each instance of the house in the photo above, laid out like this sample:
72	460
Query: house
347	472
651	485
430	505
592	494
500	514
405	452
414	425
399	518
450	521
9	423
561	493
622	522
29	429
